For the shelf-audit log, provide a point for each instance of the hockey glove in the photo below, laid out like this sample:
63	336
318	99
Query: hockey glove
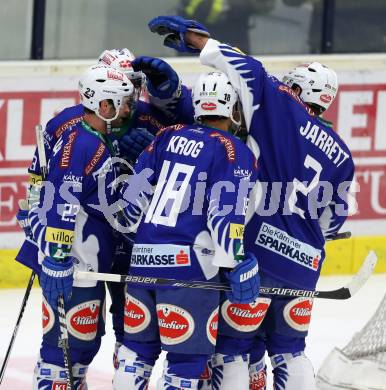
131	145
23	221
162	80
175	27
244	281
56	279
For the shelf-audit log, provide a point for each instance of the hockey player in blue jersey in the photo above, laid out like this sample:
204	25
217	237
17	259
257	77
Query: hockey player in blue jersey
191	210
130	133
170	102
305	170
72	233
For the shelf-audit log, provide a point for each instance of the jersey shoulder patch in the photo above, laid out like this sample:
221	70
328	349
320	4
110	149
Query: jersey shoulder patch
228	142
170	128
67	118
287	90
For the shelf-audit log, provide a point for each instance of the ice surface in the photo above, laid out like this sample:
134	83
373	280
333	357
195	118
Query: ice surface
333	324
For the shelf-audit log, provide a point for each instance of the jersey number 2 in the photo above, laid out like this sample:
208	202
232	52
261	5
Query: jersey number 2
299	186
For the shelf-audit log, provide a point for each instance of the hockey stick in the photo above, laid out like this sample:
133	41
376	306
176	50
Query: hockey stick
15	330
345	292
340	236
63	341
43	169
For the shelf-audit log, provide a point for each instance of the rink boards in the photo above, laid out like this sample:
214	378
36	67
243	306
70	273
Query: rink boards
32	92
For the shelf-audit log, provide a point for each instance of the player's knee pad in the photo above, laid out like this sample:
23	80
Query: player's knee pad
131	373
293	371
51	376
230	372
258	375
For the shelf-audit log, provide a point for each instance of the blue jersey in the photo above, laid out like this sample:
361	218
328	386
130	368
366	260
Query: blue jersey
67	219
145	116
191	186
304	173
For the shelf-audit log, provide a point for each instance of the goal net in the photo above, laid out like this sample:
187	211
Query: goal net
361	364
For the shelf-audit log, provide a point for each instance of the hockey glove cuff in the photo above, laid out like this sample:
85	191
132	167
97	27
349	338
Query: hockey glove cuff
244	281
175	27
162	80
23	221
56	279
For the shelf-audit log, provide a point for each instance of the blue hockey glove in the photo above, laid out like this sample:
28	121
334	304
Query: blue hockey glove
162	80
56	279
175	27
244	281
23	221
131	145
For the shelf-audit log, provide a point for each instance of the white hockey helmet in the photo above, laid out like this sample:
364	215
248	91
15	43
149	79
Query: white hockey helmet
102	82
117	58
121	59
319	84
213	95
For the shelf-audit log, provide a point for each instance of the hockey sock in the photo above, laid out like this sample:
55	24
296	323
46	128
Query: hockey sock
133	372
230	372
292	371
258	375
51	376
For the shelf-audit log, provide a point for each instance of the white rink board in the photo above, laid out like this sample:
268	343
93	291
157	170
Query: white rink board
32	92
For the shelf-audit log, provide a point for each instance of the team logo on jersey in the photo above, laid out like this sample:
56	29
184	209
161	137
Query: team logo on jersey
95	159
34	179
278	241
290	91
136	316
212	326
175	324
67	150
241	173
245	317
236	230
208	106
160	255
73	179
83	320
239	251
59	236
66	125
48	317
297	313
228	145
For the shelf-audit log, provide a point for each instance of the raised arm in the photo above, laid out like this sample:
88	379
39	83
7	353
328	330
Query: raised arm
246	74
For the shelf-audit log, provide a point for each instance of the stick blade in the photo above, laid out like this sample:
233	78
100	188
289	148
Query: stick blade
363	274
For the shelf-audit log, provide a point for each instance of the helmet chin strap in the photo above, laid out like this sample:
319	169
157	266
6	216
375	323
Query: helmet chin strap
108	120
